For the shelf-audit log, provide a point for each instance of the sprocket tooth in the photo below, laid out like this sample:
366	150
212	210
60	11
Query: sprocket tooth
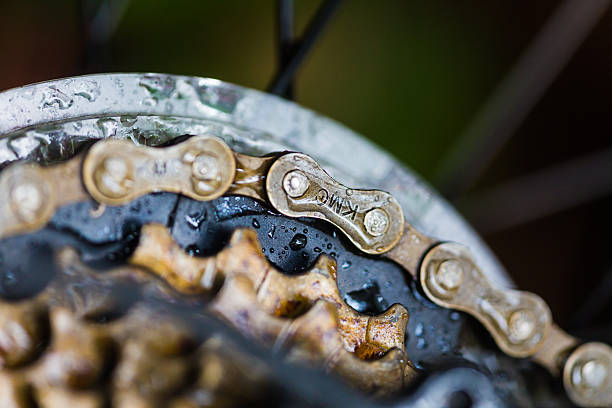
99	298
287	296
221	368
244	255
158	252
317	337
22	329
385	331
259	301
312	337
78	353
152	373
384	376
14	391
53	397
236	302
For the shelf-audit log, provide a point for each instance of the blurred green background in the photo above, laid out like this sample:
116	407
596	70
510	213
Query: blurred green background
407	74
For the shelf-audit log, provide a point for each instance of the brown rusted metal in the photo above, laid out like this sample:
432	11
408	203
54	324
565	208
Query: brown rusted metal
143	359
410	249
587	375
518	321
31	194
251	173
277	294
298	187
116	171
313	337
555	350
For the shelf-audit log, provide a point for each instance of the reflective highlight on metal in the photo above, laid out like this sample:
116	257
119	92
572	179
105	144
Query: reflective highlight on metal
115	172
271	307
587	375
204	167
153	109
32	193
298	187
518	321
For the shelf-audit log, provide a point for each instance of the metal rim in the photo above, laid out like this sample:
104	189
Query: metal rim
248	120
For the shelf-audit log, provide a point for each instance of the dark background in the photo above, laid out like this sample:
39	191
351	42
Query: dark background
409	75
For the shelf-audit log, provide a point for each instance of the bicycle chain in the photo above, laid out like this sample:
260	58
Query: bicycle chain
114	172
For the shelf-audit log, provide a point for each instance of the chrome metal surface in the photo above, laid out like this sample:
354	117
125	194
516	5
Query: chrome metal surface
45	122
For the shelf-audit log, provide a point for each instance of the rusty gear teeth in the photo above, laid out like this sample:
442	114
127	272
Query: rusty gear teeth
302	315
205	167
143	359
266	305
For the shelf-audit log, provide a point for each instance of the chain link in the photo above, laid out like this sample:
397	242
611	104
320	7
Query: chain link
115	172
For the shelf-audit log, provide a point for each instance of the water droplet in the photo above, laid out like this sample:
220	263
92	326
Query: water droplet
89	90
454	316
421	343
346	264
443	344
271	232
219	98
9	278
367	299
329	246
53	96
159	86
193	250
305	231
298	242
271	250
128	120
317	249
418	329
108	127
255	223
195	219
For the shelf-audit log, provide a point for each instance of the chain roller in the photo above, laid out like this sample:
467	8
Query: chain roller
31	193
518	321
587	375
114	172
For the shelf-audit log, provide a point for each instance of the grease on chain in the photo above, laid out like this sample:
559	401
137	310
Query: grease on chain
115	172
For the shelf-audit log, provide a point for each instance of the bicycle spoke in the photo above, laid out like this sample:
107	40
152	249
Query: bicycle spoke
517	94
285	28
538	195
286	73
